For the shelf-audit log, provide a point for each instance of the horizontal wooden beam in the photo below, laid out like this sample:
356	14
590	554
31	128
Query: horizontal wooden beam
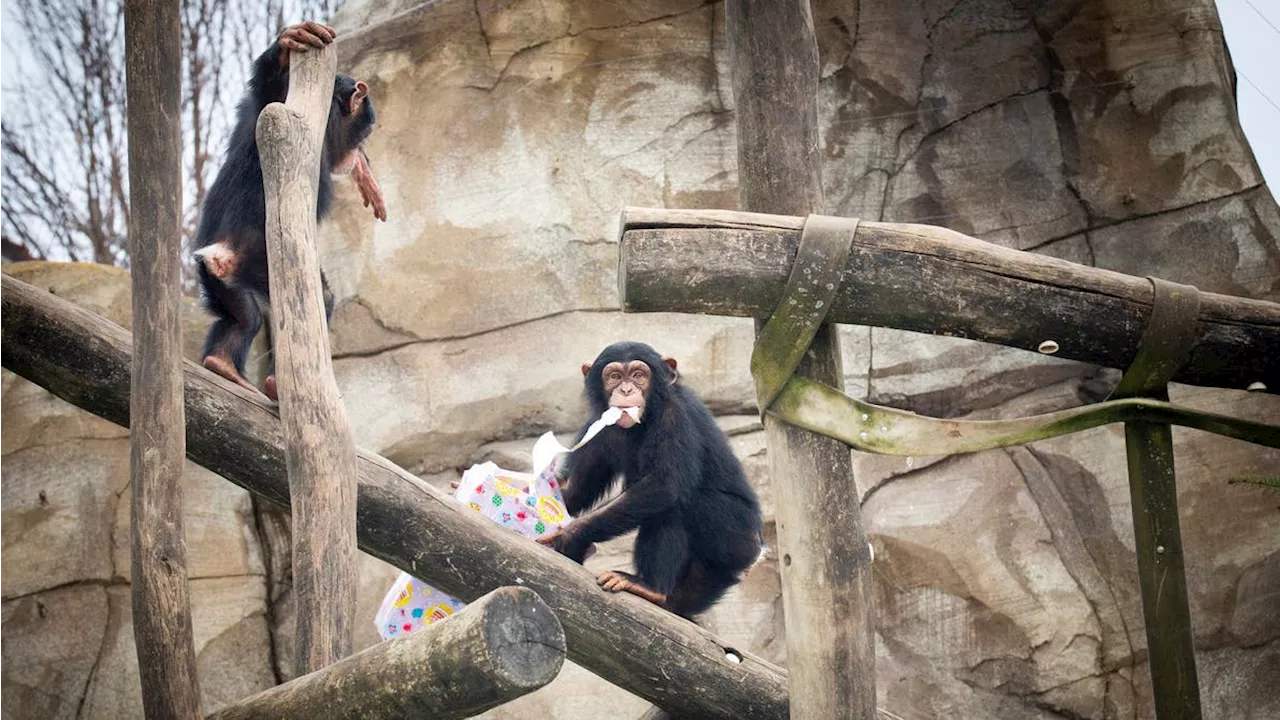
933	280
506	644
669	661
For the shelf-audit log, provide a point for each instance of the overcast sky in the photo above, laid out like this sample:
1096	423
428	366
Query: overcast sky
1252	29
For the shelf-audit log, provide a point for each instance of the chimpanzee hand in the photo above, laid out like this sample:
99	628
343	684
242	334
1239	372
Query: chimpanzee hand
568	543
302	36
369	190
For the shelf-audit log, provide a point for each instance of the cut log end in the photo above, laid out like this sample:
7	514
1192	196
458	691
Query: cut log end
525	637
277	124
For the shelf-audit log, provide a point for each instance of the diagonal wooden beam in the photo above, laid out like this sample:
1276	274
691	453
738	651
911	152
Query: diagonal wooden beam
671	662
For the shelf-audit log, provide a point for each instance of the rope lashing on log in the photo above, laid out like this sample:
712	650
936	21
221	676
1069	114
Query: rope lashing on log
816	277
1166	341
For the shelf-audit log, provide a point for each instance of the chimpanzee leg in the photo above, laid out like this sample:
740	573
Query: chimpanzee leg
239	318
698	589
661	554
269	385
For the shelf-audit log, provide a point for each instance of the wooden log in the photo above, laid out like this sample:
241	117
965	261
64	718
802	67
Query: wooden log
321	453
826	562
162	630
932	280
639	647
506	644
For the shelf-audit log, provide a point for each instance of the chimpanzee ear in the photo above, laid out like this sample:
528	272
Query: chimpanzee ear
358	95
586	369
671	363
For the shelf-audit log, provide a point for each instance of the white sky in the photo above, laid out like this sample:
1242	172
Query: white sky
1252	29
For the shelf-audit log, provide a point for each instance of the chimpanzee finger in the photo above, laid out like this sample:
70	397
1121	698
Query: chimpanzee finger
301	35
287	43
311	38
324	32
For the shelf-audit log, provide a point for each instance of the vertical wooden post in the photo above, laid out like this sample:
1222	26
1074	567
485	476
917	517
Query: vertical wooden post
826	563
1171	651
320	452
157	440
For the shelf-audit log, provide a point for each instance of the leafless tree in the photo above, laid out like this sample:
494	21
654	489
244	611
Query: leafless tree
64	134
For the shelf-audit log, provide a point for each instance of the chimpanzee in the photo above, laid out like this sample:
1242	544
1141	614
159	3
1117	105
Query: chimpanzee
231	239
699	520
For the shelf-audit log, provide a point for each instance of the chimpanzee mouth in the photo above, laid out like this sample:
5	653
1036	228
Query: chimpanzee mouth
630	416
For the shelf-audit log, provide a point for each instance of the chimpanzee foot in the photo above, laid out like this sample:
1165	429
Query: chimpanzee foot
227	369
618	581
269	387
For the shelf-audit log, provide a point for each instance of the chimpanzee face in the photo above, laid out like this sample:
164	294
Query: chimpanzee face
628	375
627	385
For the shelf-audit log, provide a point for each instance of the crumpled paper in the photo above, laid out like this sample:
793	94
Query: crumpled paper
528	503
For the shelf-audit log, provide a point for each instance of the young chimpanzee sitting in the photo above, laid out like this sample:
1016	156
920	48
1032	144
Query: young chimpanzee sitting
699	520
231	239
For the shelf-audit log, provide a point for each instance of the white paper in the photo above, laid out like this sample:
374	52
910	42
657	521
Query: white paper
547	447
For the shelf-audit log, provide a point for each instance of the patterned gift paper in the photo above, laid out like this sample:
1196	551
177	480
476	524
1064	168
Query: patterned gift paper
530	505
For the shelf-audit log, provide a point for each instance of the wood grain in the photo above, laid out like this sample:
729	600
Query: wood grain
321	455
933	280
506	644
161	599
825	560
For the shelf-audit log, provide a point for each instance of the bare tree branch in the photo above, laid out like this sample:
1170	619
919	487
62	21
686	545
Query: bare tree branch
65	141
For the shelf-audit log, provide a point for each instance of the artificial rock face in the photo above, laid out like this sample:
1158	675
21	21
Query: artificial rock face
1005	580
510	136
68	632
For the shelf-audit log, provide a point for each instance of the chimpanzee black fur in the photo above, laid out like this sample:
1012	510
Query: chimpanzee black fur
234	210
699	519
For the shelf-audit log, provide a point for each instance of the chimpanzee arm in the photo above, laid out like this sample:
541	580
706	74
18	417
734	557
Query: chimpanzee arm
270	80
652	496
669	474
591	472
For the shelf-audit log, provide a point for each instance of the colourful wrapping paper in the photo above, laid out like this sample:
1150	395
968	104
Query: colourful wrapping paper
530	505
527	503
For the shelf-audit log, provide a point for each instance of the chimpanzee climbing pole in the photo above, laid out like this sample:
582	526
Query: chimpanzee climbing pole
157	444
826	564
321	454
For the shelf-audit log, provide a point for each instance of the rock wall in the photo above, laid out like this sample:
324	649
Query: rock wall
68	644
511	134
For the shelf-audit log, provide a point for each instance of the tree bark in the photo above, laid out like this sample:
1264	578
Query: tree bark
930	279
321	455
825	559
506	644
161	602
667	660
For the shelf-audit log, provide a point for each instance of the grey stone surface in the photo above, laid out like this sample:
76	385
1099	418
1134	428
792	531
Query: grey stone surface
512	134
